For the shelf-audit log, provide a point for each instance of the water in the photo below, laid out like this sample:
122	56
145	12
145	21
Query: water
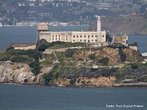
18	97
28	34
16	35
142	41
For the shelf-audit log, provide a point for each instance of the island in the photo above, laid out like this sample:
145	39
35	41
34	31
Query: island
75	58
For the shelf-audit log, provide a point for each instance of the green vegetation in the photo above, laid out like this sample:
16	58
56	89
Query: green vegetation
21	58
92	56
134	66
43	44
54	74
117	45
35	67
30	57
120	75
70	52
122	55
103	61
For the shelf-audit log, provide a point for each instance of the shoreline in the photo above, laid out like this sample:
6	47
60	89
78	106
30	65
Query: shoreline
117	85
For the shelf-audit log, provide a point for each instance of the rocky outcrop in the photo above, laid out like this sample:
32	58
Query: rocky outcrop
133	55
16	73
115	55
85	81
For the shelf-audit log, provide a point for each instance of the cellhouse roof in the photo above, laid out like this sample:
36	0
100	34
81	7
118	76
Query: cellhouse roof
69	28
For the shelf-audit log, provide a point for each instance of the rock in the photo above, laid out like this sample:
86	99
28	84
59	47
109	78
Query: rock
16	73
85	81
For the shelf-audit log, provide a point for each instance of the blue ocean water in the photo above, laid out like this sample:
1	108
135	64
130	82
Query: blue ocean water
19	97
10	35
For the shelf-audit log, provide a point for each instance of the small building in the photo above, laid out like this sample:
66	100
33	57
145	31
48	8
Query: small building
24	46
145	57
120	39
134	46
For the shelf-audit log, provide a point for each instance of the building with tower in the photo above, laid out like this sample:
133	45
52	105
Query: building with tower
92	37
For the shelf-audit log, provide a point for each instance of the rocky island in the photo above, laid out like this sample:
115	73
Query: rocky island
73	64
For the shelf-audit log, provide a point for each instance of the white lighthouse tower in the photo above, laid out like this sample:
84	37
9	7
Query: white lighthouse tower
98	25
99	38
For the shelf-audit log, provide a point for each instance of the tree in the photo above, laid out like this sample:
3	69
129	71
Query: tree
92	56
70	52
104	61
42	45
21	58
9	48
35	67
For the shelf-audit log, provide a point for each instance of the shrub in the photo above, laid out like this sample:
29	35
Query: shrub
120	76
104	61
122	55
134	66
9	48
21	58
70	52
3	56
30	53
35	67
92	56
42	45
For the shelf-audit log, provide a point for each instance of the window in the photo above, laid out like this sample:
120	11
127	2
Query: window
77	36
92	36
81	36
88	36
96	40
103	36
85	36
95	35
73	36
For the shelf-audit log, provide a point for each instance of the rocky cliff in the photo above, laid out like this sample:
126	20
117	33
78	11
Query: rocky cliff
16	73
115	55
85	81
20	73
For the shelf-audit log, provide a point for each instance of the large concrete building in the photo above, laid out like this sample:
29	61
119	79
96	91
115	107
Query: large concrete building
93	37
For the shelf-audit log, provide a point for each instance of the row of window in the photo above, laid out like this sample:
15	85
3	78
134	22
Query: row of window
85	40
58	39
57	35
80	36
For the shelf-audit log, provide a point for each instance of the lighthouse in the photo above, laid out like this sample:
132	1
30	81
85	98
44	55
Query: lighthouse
98	25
